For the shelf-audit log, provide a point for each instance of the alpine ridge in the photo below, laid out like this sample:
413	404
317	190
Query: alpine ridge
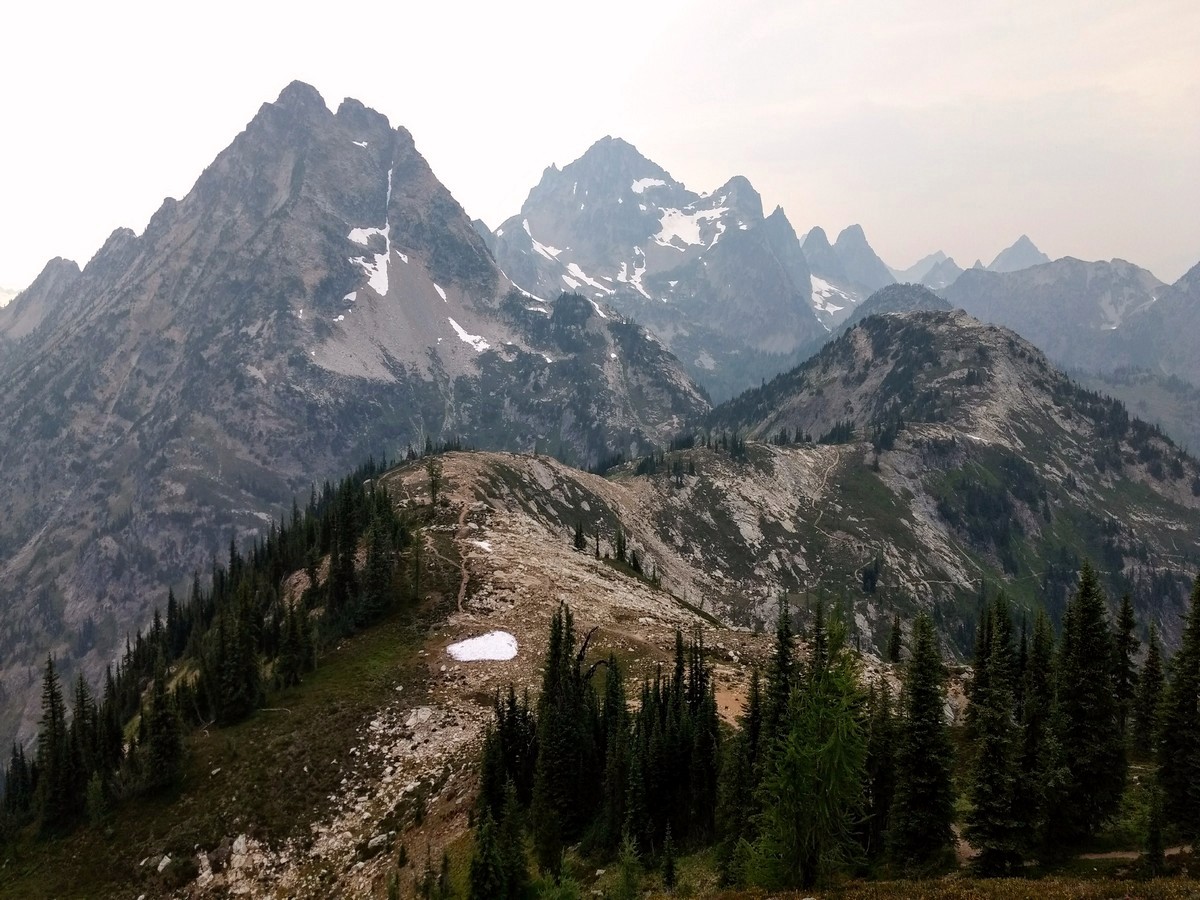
317	297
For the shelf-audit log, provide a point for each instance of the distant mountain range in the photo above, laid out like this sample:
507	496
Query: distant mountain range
319	296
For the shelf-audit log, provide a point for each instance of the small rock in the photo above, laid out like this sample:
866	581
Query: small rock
163	863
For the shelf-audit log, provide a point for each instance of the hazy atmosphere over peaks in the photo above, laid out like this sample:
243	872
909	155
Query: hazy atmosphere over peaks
936	129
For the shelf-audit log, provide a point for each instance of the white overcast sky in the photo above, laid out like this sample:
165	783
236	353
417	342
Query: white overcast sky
953	126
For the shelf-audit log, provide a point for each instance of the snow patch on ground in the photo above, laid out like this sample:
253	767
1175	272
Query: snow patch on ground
683	226
437	287
359	143
482	545
599	311
474	340
493	645
571	282
824	292
583	276
642	183
377	268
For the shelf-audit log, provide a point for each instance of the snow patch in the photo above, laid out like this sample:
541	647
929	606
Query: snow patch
571	282
359	143
583	276
437	287
642	183
824	292
493	645
684	226
482	545
599	311
474	340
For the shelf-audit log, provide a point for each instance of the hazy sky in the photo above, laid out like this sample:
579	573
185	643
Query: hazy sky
935	125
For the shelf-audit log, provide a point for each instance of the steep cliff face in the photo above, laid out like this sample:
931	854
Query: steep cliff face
318	296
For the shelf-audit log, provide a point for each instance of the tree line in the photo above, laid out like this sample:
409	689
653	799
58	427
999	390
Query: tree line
831	773
215	657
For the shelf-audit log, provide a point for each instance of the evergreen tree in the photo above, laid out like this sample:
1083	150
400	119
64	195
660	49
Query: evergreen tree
580	542
487	868
1125	669
1179	730
164	740
1044	773
668	865
1092	743
780	675
894	641
510	842
53	758
377	576
812	788
1148	697
923	807
994	827
880	770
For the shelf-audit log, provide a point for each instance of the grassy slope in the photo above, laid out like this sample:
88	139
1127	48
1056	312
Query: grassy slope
275	769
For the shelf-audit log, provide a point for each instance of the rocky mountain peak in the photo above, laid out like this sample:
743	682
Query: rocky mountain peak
1023	254
862	265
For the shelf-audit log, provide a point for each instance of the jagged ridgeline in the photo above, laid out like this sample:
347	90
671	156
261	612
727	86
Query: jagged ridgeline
318	296
962	458
215	657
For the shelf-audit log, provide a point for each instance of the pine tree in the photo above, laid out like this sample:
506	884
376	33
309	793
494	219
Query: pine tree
1092	743
510	841
164	739
1044	773
1148	697
780	675
894	641
53	762
580	542
1179	731
377	576
994	827
812	788
923	807
880	770
486	880
1125	670
668	866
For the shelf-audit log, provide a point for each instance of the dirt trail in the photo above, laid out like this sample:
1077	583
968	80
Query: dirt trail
1133	854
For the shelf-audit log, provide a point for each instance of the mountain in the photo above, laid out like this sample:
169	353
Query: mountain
915	273
724	287
1064	307
317	296
942	275
1169	402
895	298
1162	335
957	454
1023	254
860	262
844	273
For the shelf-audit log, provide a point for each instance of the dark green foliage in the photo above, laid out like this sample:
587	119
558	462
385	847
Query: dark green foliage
1093	746
994	826
780	677
1148	697
56	801
1155	845
580	542
841	432
1043	772
895	641
668	864
924	797
487	880
1179	731
564	796
880	771
163	748
812	789
1125	669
